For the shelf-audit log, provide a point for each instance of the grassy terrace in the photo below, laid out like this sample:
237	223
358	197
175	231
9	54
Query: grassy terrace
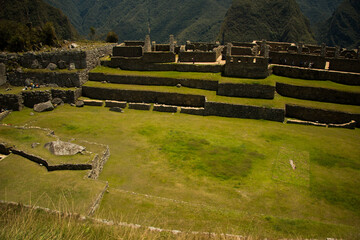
194	173
18	90
278	102
271	80
183	75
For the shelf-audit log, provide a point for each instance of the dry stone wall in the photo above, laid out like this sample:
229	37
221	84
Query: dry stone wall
68	96
246	90
34	97
317	74
61	79
11	102
144	96
318	94
243	111
249	67
158	81
320	115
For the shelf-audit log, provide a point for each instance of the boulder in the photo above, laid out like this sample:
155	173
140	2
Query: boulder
79	103
72	66
34	145
51	66
116	109
42	107
61	148
57	102
35	64
62	64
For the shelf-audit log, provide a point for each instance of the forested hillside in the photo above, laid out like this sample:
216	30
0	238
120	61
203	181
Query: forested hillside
276	20
132	19
343	28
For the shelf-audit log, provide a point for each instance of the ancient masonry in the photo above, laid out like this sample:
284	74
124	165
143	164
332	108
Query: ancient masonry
256	60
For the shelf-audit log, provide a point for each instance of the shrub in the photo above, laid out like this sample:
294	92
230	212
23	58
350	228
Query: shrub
112	37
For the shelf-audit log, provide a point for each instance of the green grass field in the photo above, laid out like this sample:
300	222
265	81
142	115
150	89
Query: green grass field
194	173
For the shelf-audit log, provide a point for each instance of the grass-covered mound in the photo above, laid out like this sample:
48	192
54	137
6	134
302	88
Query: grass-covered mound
193	173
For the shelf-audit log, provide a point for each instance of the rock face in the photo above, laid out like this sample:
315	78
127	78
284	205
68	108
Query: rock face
61	148
42	107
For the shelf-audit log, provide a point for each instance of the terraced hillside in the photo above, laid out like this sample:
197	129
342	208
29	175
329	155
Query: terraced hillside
191	161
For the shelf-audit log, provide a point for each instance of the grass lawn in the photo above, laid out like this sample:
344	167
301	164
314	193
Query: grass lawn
28	183
182	75
195	173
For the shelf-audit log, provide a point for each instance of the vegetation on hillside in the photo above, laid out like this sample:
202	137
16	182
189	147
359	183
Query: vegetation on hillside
27	25
343	28
198	20
276	20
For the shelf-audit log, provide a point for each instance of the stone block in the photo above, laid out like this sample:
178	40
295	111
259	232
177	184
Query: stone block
140	106
110	103
192	111
43	107
97	103
165	108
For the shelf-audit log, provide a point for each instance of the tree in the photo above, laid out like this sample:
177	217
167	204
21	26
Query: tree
112	37
92	33
49	34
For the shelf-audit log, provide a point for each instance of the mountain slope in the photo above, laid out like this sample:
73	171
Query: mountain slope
193	20
38	13
275	20
318	11
343	28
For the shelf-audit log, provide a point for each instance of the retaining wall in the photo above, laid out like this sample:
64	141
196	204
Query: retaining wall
61	79
346	65
144	96
137	64
317	74
296	59
11	102
320	115
158	81
244	111
34	97
82	59
318	94
246	90
68	96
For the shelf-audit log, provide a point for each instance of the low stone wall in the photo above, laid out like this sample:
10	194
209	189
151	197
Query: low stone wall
34	97
39	160
318	94
144	96
159	57
95	103
165	108
3	115
249	67
246	90
11	102
68	96
158	81
244	111
317	74
98	164
320	115
109	103
62	79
